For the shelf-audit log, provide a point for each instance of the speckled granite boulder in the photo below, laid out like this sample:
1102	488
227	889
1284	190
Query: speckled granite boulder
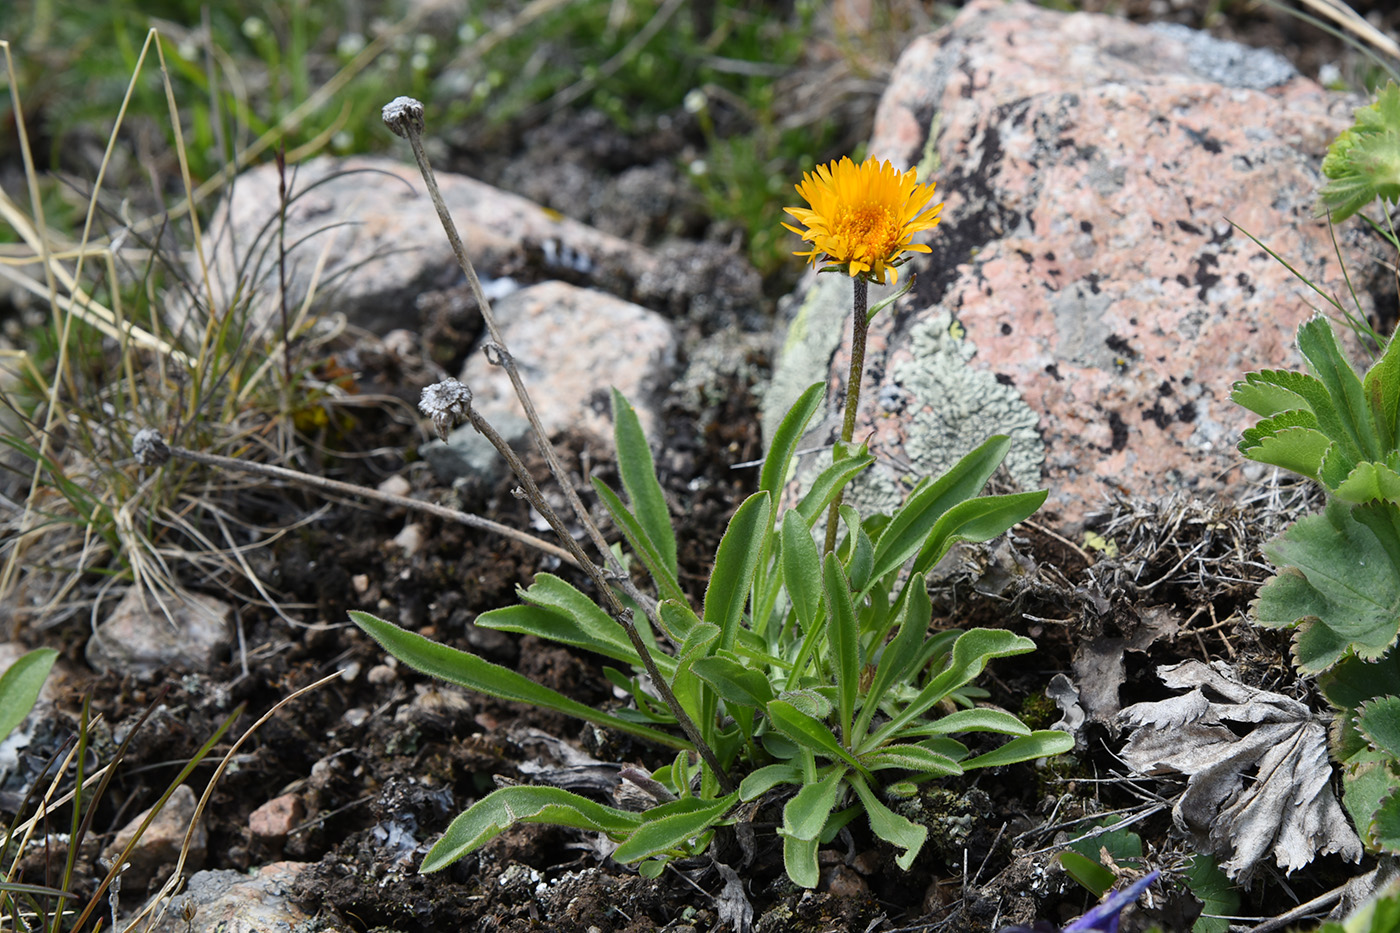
571	345
1086	292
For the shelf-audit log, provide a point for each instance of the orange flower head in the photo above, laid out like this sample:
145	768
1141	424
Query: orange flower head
862	217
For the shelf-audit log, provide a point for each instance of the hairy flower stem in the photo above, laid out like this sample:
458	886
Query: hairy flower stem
859	324
405	118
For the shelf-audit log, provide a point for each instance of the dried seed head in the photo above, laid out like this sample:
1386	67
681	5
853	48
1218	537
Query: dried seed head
447	403
403	114
149	447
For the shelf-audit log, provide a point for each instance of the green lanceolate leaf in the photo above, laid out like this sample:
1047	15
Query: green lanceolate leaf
978	720
671	825
557	611
20	686
971	653
808	732
638	471
768	777
640	542
980	519
1379	722
735	563
1092	876
784	445
805	815
802	568
1043	743
890	826
498	811
910	758
843	640
1318	344
736	684
860	552
800	861
912	523
829	482
1336	582
897	659
469	671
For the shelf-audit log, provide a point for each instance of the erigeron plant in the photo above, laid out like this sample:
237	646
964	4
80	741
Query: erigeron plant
808	672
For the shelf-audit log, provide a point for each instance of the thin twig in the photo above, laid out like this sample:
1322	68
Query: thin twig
364	492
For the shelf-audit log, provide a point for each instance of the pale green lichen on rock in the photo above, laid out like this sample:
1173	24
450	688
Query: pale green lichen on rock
957	406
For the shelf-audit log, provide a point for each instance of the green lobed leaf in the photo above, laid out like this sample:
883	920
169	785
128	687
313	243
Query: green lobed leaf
1283	442
735	564
912	523
843	641
498	811
890	826
1219	898
1273	391
1318	344
1334	575
474	673
805	814
1366	781
638	472
1382	387
980	519
20	686
1368	482
1385	822
784	444
802	568
672	825
1043	743
1379	722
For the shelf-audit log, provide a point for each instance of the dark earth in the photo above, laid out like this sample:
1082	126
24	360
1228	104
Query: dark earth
382	758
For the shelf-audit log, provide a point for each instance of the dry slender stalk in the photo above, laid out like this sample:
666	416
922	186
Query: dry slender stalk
364	492
404	116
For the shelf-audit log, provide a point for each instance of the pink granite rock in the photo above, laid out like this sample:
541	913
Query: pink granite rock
1087	292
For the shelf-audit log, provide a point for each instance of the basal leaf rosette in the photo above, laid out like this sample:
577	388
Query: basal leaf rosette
862	218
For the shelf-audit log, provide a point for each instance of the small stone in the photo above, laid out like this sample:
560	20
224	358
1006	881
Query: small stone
159	846
234	901
844	881
139	639
410	539
381	674
276	818
360	582
396	485
354	718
